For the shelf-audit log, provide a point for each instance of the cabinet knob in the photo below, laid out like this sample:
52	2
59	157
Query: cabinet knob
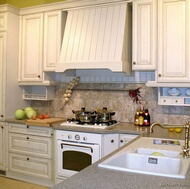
27	126
28	158
112	141
1	127
38	76
159	75
134	63
121	141
27	138
1	115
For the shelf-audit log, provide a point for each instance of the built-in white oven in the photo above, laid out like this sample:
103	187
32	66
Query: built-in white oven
75	151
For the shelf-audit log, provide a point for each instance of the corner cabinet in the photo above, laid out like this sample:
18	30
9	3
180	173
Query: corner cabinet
173	41
40	41
144	35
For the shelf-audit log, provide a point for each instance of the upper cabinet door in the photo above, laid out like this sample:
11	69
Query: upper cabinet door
52	39
173	41
31	36
2	68
144	35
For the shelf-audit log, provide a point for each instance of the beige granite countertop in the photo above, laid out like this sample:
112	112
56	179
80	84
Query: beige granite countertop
94	177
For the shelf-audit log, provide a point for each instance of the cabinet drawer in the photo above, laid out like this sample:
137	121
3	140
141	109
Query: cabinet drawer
30	130
177	101
165	100
30	145
3	22
28	165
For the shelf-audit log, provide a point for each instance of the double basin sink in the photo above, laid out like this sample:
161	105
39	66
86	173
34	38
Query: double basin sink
152	156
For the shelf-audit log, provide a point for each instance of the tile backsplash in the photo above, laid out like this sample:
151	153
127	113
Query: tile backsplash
114	96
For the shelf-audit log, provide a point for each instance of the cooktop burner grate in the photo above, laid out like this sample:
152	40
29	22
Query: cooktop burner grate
92	124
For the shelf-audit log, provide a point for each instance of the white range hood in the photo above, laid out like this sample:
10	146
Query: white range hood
98	37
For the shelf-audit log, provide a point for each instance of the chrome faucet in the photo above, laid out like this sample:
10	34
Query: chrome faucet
185	147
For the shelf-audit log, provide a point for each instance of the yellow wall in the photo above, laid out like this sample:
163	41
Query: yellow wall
27	3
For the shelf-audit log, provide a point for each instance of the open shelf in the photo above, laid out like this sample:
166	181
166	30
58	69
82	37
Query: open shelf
166	97
38	92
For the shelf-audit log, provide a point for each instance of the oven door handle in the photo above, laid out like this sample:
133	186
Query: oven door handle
62	144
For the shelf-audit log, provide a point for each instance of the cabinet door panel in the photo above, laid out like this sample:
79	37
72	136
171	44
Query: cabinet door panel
32	130
27	144
144	35
110	143
52	39
2	151
2	64
36	167
31	47
173	49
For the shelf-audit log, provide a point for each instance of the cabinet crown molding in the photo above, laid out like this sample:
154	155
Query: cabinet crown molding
68	4
9	8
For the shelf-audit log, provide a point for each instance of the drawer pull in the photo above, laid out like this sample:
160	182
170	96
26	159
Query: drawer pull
27	138
27	126
28	159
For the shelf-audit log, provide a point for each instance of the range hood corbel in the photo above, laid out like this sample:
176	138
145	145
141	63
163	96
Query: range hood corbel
98	37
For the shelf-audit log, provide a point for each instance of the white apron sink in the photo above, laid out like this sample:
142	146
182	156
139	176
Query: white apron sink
139	157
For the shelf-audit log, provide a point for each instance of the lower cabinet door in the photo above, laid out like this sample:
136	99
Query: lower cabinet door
32	166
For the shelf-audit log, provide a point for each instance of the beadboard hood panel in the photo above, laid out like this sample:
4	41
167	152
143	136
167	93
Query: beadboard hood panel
97	37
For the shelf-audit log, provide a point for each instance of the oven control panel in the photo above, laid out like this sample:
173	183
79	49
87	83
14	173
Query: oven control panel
78	136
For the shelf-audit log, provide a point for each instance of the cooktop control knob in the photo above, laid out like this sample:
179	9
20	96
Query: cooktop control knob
77	137
85	138
69	136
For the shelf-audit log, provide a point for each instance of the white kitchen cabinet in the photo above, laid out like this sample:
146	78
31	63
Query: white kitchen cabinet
144	35
31	41
110	143
2	60
30	165
125	138
52	38
40	42
10	92
173	41
2	146
30	154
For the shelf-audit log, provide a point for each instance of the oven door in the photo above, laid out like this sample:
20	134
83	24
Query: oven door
73	157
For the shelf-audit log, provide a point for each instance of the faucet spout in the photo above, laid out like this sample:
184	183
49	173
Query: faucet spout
185	147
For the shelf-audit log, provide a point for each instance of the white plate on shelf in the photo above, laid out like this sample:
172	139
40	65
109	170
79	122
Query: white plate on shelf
173	92
188	92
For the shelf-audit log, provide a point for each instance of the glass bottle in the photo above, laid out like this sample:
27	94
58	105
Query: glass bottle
136	118
146	118
141	119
